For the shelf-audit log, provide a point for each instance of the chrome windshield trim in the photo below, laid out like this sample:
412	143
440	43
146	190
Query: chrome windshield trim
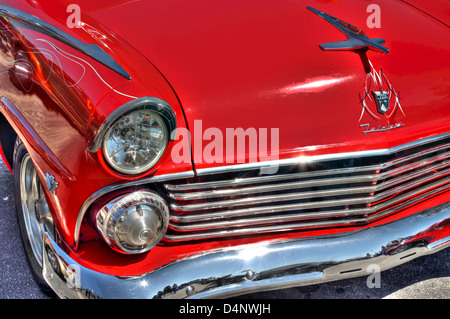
90	49
114	187
318	158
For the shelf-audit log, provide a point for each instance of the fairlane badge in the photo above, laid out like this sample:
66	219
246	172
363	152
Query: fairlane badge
381	128
380	103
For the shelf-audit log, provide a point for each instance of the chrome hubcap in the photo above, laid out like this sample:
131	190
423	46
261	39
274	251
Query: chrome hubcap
34	206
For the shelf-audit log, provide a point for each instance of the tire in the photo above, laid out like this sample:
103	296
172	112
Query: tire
27	191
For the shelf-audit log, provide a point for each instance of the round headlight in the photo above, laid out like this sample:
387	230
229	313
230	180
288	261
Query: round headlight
136	141
133	223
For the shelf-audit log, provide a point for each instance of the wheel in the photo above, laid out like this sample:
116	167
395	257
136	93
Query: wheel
32	209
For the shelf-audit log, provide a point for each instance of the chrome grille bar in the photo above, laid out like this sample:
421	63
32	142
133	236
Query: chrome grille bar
325	158
307	183
265	179
298	226
333	213
272	198
273	178
334	193
265	199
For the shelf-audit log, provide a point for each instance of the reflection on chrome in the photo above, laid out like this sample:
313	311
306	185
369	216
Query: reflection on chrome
249	253
276	265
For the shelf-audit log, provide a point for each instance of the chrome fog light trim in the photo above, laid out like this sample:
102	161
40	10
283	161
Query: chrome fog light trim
133	223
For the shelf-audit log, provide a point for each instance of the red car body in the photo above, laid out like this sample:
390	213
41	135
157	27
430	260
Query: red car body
253	64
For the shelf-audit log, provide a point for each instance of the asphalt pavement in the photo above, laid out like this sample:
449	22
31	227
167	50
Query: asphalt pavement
426	277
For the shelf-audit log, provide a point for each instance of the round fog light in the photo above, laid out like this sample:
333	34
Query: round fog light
133	223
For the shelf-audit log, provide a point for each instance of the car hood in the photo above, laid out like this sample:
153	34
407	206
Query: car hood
257	65
439	9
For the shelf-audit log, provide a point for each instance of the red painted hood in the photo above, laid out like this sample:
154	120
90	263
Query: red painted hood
439	9
258	65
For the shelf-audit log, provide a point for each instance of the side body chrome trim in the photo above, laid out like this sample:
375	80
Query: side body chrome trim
90	49
267	266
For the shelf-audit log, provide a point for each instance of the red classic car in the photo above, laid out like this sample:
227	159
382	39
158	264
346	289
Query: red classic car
172	149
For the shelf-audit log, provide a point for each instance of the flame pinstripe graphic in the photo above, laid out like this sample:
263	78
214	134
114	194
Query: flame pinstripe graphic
378	80
53	58
67	55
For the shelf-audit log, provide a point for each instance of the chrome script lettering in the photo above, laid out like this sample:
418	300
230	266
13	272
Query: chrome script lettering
381	128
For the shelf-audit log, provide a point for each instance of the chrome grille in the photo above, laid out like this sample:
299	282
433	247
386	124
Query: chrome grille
355	189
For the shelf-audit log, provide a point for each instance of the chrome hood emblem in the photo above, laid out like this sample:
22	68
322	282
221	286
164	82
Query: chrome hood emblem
377	94
357	41
382	100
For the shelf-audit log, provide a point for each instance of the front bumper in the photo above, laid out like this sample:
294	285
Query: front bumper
245	269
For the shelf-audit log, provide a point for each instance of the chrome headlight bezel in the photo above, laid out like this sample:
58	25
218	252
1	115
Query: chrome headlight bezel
160	109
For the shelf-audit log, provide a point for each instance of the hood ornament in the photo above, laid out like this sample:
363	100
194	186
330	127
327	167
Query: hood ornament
357	41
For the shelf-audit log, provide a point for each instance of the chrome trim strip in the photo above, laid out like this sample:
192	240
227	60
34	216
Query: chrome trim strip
255	200
226	210
270	188
90	49
114	187
291	196
273	178
311	183
265	179
289	207
268	210
246	269
319	158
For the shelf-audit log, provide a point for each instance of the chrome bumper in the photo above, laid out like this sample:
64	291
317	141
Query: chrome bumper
250	268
